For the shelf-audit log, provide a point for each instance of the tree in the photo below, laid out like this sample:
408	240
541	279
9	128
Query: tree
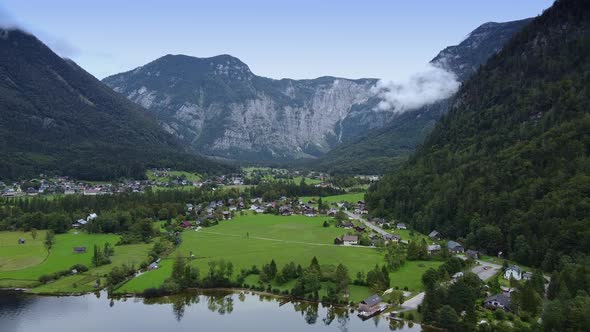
315	265
34	233
429	278
448	318
342	279
178	268
49	239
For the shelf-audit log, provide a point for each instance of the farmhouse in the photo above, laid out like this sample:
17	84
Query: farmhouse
21	241
455	247
499	301
346	224
434	235
349	240
392	237
79	223
513	272
433	249
473	254
370	306
401	226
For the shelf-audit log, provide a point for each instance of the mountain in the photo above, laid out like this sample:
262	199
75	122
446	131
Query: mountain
388	147
219	107
55	117
508	168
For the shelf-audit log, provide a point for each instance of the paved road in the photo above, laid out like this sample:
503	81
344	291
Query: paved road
368	224
485	270
414	302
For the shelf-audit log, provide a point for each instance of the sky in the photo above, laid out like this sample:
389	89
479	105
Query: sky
387	39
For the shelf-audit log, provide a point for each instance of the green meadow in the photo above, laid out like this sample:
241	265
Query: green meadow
350	197
257	239
22	265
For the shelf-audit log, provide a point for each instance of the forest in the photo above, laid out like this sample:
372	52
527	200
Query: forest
507	169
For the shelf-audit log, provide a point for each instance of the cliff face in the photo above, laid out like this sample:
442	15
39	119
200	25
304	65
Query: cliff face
217	106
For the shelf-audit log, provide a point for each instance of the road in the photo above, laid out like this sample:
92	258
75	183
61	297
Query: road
366	223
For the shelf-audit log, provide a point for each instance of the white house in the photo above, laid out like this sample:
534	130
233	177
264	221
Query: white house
349	240
513	272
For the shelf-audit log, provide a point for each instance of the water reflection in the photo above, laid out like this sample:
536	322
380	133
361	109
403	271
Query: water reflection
211	311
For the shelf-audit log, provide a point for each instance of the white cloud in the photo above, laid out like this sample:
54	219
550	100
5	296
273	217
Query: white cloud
423	88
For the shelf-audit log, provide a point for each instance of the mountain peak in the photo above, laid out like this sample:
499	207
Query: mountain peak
464	59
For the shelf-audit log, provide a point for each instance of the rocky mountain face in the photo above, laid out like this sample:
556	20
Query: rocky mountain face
219	107
388	147
57	118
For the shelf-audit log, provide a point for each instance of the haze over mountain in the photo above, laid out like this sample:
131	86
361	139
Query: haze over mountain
217	106
388	147
55	117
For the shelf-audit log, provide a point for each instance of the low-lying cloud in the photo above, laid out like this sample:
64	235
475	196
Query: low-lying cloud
423	88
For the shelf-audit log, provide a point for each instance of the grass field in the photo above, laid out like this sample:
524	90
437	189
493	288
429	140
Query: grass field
173	174
22	266
256	239
351	198
14	256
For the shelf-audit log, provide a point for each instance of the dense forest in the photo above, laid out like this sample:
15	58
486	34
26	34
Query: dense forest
57	118
507	169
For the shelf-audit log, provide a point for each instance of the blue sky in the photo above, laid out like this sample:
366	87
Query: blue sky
281	38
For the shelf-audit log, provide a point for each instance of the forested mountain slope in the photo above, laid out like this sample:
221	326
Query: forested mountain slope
55	117
507	168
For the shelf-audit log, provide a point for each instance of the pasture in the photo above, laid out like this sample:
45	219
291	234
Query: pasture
21	266
257	239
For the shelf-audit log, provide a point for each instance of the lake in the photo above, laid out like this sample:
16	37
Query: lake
211	311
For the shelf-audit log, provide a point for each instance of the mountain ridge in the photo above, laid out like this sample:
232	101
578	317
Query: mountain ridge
58	118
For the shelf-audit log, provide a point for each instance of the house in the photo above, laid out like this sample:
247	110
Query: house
392	237
473	254
507	291
79	223
285	210
513	272
527	276
332	212
499	301
21	241
226	215
79	250
433	249
455	247
370	306
346	224
349	240
456	276
434	235
91	216
401	226
153	266
189	207
360	229
185	224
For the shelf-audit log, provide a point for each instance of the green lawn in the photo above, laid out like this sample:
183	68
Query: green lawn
22	267
173	174
256	239
351	198
14	256
132	254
